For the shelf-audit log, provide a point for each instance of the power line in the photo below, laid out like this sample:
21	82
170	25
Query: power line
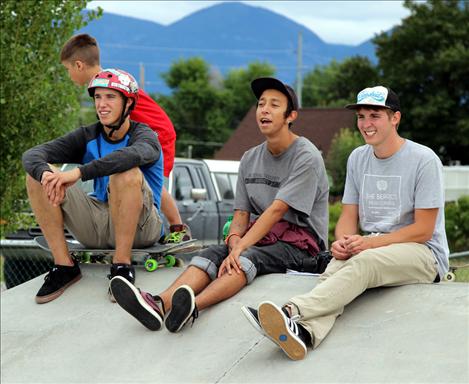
180	49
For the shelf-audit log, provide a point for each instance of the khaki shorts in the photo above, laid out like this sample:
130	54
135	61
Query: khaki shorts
89	219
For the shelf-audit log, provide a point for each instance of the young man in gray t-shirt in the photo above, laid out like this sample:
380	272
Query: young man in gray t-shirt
394	195
280	220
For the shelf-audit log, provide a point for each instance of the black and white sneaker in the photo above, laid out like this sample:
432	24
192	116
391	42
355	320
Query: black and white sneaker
126	271
290	336
182	309
253	317
141	305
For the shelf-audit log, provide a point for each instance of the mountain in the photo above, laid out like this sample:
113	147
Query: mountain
227	35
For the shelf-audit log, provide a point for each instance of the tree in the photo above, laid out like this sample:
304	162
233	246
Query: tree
337	84
193	105
204	108
37	100
238	84
342	146
425	60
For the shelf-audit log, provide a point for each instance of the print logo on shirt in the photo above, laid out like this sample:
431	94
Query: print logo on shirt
381	199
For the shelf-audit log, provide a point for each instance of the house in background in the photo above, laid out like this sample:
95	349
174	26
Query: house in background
316	124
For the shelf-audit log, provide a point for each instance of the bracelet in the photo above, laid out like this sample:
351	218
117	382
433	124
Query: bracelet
227	240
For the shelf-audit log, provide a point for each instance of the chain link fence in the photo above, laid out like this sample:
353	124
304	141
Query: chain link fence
23	264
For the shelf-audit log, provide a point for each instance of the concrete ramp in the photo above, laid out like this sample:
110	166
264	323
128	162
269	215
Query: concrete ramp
410	334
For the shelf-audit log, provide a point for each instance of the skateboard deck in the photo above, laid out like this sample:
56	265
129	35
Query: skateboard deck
153	257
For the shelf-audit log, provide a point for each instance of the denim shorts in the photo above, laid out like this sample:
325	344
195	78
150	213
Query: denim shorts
256	260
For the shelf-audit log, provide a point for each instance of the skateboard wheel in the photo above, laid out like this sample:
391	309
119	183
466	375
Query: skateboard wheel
170	261
450	276
151	265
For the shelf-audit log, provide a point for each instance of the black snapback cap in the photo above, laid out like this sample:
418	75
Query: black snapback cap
260	84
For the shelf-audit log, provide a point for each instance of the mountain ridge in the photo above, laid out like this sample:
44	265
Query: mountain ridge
226	35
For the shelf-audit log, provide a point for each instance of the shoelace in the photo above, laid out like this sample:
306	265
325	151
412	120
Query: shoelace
195	315
51	272
292	324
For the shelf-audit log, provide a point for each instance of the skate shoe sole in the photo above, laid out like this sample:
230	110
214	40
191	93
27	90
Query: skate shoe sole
56	294
275	326
182	307
131	300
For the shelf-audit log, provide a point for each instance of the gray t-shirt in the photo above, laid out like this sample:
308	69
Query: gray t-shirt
388	191
297	176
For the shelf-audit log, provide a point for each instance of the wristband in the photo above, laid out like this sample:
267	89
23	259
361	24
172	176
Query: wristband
227	240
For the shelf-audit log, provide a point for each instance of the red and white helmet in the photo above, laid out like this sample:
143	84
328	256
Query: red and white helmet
116	79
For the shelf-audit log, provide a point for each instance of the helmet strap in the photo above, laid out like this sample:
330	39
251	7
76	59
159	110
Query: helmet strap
124	115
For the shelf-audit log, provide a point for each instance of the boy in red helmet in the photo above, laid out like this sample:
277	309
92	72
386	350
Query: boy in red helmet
80	56
125	161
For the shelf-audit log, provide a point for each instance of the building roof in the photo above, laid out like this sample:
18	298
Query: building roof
316	124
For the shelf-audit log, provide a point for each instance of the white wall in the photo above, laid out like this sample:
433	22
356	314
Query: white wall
456	179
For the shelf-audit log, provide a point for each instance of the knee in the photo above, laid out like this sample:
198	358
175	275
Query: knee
128	179
32	185
363	262
31	181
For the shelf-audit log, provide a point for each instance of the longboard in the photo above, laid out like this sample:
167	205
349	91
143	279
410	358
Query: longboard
153	257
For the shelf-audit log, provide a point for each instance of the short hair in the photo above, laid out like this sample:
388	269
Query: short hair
81	47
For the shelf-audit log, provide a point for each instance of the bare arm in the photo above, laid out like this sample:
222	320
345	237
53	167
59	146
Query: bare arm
418	232
347	225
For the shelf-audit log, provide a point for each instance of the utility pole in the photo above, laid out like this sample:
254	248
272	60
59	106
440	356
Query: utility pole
141	82
299	68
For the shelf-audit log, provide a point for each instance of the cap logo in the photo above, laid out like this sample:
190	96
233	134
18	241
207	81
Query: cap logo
373	96
99	83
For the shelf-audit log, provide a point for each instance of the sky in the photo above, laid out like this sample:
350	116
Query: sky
339	22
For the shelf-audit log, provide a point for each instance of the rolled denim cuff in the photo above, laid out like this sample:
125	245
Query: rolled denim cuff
249	269
205	265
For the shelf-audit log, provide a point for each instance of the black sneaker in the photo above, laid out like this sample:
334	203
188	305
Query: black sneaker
182	309
58	279
127	271
253	317
283	330
141	305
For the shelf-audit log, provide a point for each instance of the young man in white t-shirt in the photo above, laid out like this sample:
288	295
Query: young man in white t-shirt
391	231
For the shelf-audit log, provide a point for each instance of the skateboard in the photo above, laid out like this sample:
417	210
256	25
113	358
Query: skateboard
451	275
153	257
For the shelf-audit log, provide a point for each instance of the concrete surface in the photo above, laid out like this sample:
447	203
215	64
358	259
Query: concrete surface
411	334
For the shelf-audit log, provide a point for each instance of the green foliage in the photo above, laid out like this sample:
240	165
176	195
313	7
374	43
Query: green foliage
337	84
425	60
238	85
204	107
335	209
37	100
342	145
457	224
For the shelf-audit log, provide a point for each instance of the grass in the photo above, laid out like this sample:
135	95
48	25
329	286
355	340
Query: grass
462	273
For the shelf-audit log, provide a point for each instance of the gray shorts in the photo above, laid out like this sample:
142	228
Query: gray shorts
256	260
89	219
